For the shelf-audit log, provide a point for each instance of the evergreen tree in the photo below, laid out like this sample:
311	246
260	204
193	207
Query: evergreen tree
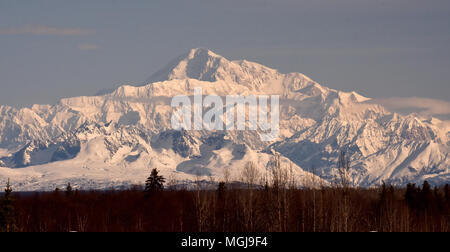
427	195
438	198
447	193
386	197
69	190
221	190
7	211
383	195
154	183
383	199
411	195
447	196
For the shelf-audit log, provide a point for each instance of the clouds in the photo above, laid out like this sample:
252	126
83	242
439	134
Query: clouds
422	106
46	30
42	30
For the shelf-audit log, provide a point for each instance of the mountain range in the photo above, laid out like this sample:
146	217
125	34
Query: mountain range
115	138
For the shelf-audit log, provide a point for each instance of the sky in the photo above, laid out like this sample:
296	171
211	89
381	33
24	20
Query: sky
384	49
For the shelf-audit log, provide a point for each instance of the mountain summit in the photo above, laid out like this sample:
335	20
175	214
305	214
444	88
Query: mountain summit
200	64
113	139
205	65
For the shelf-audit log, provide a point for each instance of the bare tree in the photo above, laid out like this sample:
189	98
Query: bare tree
292	183
226	175
280	179
277	173
344	179
250	175
344	171
172	182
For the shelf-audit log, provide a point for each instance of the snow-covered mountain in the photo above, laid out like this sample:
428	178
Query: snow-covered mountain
116	138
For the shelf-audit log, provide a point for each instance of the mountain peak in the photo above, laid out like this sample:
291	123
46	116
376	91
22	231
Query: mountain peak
204	65
316	124
202	52
198	63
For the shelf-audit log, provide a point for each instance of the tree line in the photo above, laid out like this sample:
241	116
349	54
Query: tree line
258	203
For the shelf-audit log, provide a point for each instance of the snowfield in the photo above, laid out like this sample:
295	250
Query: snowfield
115	139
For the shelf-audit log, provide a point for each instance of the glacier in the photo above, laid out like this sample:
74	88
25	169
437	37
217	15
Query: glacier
114	139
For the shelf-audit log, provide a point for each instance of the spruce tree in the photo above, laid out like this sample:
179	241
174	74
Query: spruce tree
411	196
221	190
154	183
427	195
447	196
7	211
447	192
383	193
69	190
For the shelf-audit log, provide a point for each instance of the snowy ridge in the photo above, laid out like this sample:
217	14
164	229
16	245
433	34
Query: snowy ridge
116	138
